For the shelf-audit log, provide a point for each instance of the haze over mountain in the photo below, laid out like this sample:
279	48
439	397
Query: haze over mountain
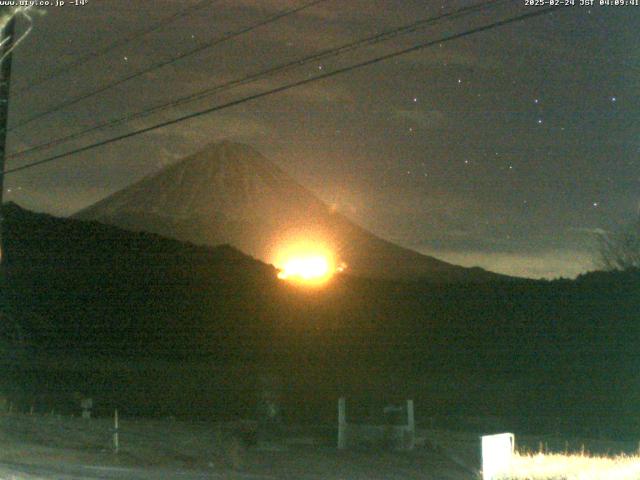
230	193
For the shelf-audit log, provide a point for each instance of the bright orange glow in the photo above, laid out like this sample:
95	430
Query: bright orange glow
306	262
306	268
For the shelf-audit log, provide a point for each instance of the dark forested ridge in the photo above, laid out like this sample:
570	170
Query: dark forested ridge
131	316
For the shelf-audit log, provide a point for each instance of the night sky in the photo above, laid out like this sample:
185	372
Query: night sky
509	149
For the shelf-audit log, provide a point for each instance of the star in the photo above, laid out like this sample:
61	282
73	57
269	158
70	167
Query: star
595	204
536	101
614	99
415	99
539	121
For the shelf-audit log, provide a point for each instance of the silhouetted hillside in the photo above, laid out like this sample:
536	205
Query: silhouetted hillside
176	328
92	287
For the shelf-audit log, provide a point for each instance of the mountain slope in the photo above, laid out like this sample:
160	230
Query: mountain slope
230	193
168	328
94	287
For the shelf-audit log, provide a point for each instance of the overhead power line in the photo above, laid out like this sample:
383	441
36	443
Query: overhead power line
7	32
319	56
199	48
67	67
525	16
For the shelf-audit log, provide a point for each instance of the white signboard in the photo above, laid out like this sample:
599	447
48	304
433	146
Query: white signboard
497	452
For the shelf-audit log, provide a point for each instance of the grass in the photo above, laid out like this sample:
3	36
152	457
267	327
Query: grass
167	445
307	451
550	466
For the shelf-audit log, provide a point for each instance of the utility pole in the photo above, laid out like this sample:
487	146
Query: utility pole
8	34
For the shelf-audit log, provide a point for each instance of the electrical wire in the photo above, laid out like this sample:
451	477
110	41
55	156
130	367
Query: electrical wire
66	68
199	48
289	86
322	55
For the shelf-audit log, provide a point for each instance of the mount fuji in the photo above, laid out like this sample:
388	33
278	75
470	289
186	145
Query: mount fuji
229	193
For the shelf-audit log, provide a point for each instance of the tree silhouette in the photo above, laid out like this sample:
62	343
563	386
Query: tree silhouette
620	250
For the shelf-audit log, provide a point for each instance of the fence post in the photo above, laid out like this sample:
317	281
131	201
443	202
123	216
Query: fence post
411	425
342	424
86	404
116	440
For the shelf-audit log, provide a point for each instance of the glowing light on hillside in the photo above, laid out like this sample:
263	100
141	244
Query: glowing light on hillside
306	262
306	268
